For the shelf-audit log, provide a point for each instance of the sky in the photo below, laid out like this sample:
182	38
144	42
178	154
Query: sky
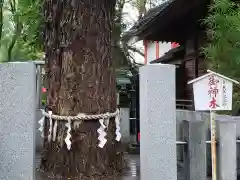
130	17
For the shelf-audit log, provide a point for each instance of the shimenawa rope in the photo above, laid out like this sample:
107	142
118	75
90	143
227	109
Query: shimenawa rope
103	120
81	116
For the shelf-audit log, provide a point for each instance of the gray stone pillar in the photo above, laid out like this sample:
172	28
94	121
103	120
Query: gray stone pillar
195	152
39	86
158	122
227	149
125	125
17	121
39	139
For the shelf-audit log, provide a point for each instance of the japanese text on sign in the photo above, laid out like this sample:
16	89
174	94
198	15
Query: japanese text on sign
224	94
213	91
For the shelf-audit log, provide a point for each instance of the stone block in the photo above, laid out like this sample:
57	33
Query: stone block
227	148
195	152
39	139
125	125
158	122
17	121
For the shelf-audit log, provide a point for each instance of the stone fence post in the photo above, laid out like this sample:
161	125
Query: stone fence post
158	122
227	148
125	126
195	152
17	121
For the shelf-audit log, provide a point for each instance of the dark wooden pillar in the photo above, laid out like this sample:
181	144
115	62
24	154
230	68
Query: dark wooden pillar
191	61
202	62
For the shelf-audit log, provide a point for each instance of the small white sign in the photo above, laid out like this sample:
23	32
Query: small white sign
212	92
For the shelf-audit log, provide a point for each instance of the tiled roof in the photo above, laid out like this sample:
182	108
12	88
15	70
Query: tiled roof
146	20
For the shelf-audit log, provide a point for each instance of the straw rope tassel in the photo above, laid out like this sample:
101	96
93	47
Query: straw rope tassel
106	120
50	126
55	130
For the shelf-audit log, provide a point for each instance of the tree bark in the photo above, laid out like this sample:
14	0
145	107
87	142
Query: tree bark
81	79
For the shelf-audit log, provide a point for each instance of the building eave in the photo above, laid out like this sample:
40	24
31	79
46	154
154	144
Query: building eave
212	73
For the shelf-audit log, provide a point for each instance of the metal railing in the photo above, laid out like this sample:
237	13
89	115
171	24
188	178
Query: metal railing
184	104
207	142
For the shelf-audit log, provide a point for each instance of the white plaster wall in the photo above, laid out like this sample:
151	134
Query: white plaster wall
151	50
164	47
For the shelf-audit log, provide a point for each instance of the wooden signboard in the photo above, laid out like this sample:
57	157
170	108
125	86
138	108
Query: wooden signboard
213	92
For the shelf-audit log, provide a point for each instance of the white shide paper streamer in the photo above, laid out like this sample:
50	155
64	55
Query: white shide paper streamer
117	132
102	134
41	128
67	139
50	126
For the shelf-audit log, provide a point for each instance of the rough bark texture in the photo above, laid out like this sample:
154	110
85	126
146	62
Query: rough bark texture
81	80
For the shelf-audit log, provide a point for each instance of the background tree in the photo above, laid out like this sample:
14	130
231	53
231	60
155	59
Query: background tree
20	30
123	54
223	48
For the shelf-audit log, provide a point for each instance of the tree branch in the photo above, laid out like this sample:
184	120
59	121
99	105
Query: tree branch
13	6
134	49
134	61
17	31
1	18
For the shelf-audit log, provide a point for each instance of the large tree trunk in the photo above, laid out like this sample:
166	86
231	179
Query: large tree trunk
81	80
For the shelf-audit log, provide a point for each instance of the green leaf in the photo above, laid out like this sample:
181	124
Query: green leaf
223	49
